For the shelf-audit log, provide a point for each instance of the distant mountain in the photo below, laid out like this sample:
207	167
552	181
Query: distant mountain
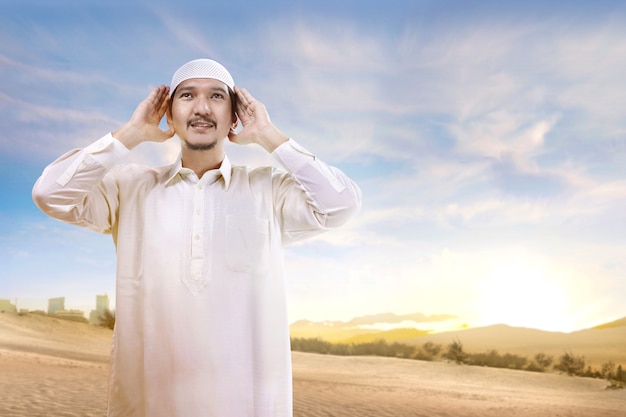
617	323
326	331
389	336
381	318
367	328
596	345
391	318
600	344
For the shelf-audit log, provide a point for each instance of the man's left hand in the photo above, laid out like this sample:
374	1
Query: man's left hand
256	124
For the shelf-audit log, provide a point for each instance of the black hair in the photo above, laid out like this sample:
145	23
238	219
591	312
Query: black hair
233	101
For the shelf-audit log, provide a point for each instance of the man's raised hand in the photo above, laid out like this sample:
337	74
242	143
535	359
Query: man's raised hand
144	123
256	124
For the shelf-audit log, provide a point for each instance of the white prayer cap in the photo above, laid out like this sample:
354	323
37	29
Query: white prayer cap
201	68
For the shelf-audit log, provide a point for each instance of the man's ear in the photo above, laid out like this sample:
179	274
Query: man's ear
169	120
168	112
235	123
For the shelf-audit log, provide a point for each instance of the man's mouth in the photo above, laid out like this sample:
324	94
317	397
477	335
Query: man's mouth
201	124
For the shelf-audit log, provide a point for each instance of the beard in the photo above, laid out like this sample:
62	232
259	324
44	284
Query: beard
199	146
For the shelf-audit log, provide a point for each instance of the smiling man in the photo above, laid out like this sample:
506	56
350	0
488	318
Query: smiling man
200	130
201	328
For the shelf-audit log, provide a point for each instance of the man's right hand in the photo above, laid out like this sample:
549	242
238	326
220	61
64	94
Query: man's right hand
143	126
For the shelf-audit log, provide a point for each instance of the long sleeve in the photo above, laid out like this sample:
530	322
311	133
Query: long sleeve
73	188
314	197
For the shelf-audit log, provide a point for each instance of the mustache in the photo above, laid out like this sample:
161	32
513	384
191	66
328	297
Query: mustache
201	119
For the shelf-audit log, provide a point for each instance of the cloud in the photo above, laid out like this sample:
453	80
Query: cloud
185	32
33	113
500	101
363	92
45	131
512	178
45	74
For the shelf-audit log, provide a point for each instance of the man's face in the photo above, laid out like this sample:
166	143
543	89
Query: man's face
202	113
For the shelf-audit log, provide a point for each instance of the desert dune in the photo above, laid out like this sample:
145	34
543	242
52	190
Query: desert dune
49	367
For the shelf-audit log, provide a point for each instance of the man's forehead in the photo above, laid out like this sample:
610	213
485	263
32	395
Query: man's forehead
196	83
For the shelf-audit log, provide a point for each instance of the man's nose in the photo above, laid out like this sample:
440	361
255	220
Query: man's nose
202	106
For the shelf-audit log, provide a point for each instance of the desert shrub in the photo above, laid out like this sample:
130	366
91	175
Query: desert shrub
310	345
432	349
427	352
540	363
490	358
514	361
107	319
607	370
543	361
592	373
455	352
376	348
403	351
421	355
533	367
493	359
571	364
340	349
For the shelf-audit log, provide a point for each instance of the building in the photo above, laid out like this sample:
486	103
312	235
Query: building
7	307
72	315
102	305
56	304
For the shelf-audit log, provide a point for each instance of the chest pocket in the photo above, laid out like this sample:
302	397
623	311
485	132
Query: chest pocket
247	243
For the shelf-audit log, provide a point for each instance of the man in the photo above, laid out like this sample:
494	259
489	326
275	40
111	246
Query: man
201	326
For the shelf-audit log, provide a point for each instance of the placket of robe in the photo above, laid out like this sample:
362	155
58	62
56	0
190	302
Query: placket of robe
200	255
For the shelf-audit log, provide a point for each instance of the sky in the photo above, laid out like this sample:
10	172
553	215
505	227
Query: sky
488	139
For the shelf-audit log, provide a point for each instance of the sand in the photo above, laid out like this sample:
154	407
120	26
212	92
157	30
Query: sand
60	369
369	386
36	385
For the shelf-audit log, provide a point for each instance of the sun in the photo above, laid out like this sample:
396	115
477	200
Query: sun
523	291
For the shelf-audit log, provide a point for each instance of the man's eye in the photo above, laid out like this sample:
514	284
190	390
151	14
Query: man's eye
218	95
185	95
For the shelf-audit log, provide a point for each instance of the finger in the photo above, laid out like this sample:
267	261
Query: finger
155	95
241	109
164	94
158	95
163	105
246	94
244	97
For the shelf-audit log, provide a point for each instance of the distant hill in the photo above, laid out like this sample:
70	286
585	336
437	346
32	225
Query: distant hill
617	323
51	336
596	345
393	335
329	331
387	326
391	318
